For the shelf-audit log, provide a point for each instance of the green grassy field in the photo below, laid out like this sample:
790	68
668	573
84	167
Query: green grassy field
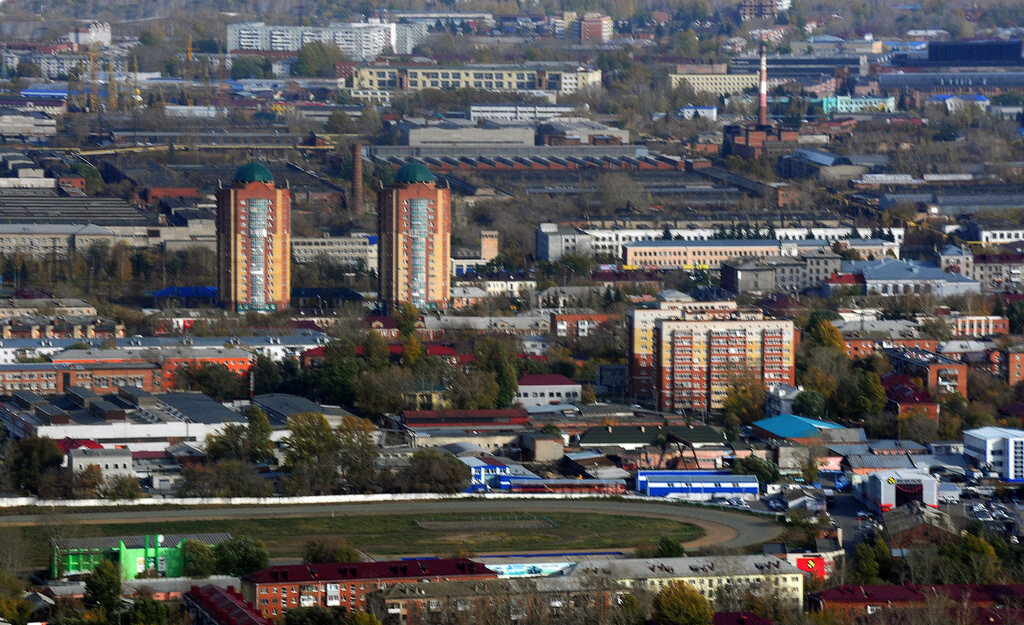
400	534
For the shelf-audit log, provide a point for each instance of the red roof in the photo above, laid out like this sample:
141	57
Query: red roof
545	379
67	444
226	606
972	593
398	569
384	322
846	278
316	352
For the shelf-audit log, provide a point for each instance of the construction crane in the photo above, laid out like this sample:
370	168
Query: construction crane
94	79
111	86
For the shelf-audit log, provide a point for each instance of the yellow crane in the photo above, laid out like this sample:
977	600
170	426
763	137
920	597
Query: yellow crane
111	86
94	79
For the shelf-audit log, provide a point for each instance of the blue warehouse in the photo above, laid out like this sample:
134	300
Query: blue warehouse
696	485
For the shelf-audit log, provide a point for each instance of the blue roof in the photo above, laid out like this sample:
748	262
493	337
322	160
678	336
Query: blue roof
792	426
707	243
892	269
209	292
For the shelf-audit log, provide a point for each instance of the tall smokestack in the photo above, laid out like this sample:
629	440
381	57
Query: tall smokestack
762	88
357	177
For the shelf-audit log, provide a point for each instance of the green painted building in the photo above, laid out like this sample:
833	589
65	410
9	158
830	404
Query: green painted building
135	556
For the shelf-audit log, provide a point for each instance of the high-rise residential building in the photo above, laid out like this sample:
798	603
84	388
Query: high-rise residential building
253	250
695	360
415	240
640	324
595	28
361	41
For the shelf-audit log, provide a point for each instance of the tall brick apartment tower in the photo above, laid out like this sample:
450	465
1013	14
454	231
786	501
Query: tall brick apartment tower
253	243
414	224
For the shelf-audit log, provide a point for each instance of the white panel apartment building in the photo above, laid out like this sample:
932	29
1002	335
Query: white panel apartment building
610	241
360	41
1000	448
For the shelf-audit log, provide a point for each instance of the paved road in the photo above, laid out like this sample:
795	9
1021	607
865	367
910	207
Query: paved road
722	528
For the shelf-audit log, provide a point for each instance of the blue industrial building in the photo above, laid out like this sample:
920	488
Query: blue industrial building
696	485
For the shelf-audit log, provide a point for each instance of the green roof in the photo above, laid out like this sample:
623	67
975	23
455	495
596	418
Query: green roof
414	172
253	172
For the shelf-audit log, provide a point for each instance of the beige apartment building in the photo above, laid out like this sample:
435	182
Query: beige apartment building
715	83
640	324
561	77
352	251
695	360
709	254
709	576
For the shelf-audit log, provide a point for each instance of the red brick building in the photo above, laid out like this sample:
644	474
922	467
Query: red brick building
862	600
506	417
906	398
167	361
941	375
276	589
213	605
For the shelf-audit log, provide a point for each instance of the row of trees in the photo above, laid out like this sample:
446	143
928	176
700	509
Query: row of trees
318	459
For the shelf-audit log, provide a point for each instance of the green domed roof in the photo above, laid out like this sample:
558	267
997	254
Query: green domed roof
253	172
414	172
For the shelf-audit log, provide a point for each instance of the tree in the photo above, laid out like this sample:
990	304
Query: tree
259	430
340	123
669	548
406	315
122	488
147	611
865	564
317	59
871	394
493	355
382	392
433	471
312	615
311	454
360	618
357	452
1015	315
317	551
199	559
223	478
266	375
231	443
243	67
241	555
30	458
744	399
376	355
472	390
412	350
587	395
825	334
630	612
28	69
103	588
620	191
810	404
214	379
766	471
678	603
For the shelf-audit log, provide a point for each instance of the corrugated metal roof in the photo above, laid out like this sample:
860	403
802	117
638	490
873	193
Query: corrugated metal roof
135	542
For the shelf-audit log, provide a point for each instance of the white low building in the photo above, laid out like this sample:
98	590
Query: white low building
546	390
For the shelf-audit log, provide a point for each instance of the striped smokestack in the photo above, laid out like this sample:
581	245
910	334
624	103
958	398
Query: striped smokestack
357	177
762	89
